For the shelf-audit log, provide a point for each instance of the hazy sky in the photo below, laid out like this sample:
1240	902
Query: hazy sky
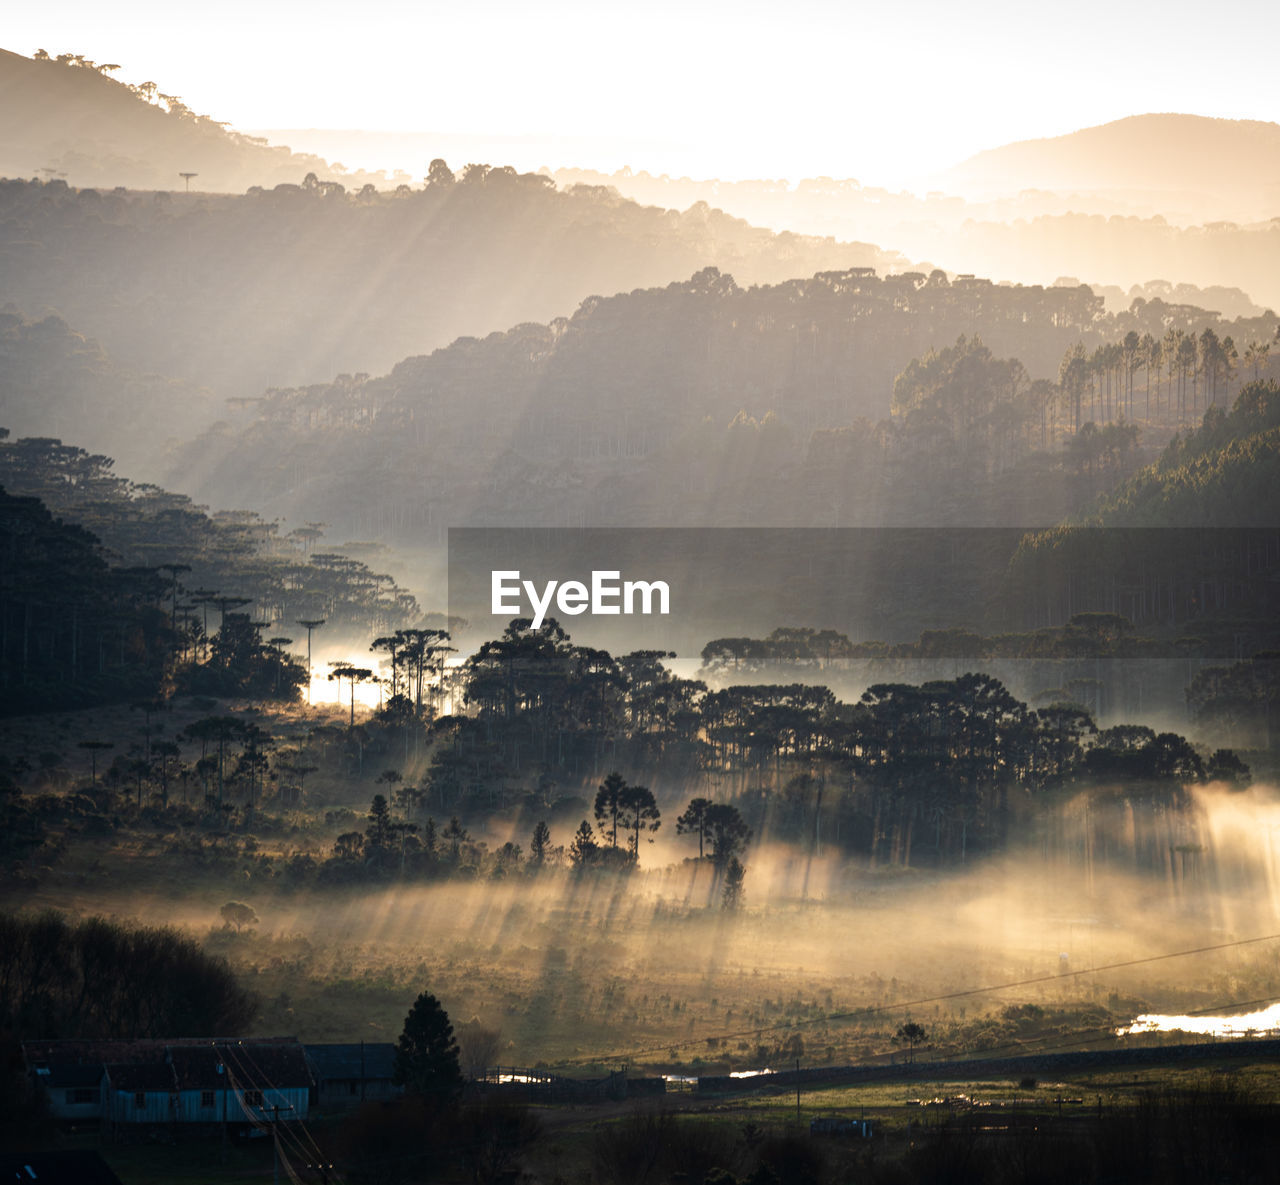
879	92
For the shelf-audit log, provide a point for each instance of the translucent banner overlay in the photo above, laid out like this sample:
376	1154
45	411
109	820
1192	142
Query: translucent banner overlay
1155	594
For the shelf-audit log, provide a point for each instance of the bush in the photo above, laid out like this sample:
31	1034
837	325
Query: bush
389	1143
143	982
652	1146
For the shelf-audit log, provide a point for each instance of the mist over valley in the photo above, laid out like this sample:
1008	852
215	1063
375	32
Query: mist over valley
913	818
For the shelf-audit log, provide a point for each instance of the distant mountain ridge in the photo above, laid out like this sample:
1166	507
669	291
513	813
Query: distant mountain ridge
1234	163
297	284
699	403
66	116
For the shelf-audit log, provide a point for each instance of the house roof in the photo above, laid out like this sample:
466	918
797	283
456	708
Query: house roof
145	1077
372	1060
248	1065
88	1053
133	1049
60	1076
197	1068
187	1062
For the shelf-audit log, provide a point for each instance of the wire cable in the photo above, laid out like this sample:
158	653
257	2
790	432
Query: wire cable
875	1009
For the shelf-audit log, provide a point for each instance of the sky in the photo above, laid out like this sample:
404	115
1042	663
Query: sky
885	93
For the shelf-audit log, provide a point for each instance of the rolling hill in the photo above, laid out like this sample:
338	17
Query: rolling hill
69	118
1225	169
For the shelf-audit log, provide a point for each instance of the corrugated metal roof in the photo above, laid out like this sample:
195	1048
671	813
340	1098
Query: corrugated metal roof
190	1062
197	1068
60	1076
88	1053
250	1064
133	1051
147	1077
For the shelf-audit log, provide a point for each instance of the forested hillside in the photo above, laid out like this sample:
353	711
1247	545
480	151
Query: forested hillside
1133	167
1193	539
65	116
1224	473
304	281
1115	205
101	603
57	382
708	403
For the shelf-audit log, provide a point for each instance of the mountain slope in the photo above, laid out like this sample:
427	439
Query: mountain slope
73	119
56	382
299	283
1231	165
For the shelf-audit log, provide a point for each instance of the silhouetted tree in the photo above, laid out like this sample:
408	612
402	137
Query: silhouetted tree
237	914
609	805
539	844
583	849
478	1047
727	831
912	1034
694	821
731	895
426	1061
638	811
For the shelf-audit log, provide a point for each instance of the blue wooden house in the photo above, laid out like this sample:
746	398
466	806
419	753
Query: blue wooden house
188	1082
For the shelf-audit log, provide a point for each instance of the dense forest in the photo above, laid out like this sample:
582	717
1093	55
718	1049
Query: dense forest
98	978
1209	484
99	607
280	285
55	382
937	771
806	403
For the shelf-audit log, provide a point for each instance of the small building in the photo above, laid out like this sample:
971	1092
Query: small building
75	1093
347	1075
141	1093
241	1082
191	1081
840	1125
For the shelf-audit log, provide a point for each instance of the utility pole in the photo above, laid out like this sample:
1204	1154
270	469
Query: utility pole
275	1110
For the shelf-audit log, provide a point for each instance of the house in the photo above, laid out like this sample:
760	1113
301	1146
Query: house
74	1092
346	1075
189	1081
72	1075
139	1093
241	1082
839	1125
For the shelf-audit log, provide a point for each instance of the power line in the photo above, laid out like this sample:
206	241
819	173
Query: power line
874	1009
287	1134
1081	1036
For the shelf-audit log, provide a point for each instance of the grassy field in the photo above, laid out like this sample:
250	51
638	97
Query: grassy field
591	974
825	963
